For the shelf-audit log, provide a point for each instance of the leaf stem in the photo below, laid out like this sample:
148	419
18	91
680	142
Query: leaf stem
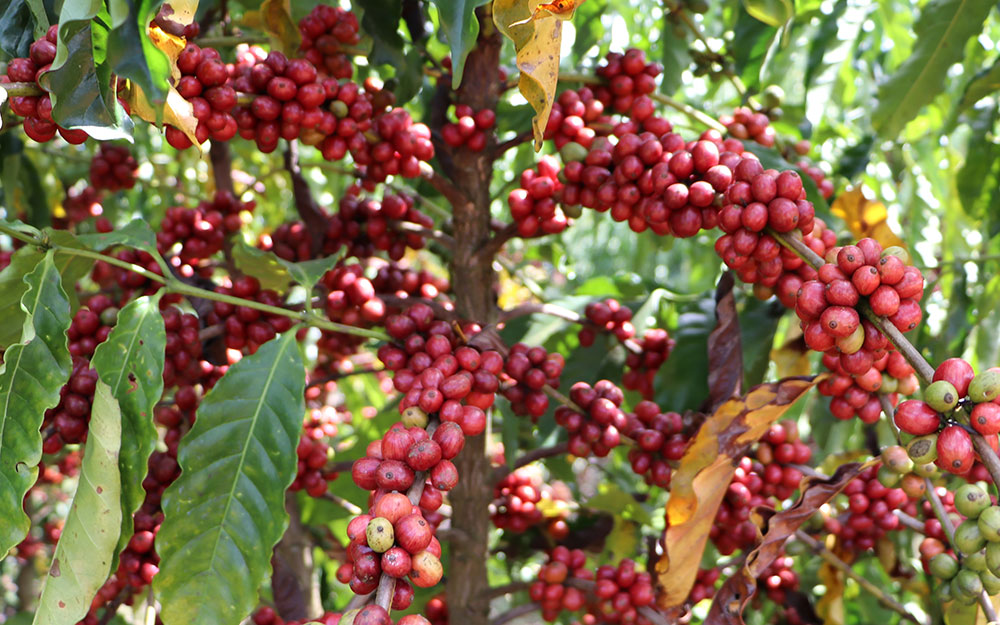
15	89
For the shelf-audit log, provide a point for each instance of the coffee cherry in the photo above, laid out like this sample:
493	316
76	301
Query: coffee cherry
944	566
989	523
985	386
379	534
918	418
954	450
956	371
970	500
941	396
985	418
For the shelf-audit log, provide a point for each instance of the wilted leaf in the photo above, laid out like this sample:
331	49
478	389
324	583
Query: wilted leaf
865	217
942	30
537	43
731	599
725	354
275	18
704	474
176	111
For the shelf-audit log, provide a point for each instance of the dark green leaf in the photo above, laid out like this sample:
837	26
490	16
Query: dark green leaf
771	12
135	233
263	265
86	548
461	27
979	173
308	272
854	159
130	52
23	193
16	28
130	362
771	159
675	58
226	511
33	371
381	21
82	93
682	382
751	39
987	81
942	30
511	428
758	323
825	35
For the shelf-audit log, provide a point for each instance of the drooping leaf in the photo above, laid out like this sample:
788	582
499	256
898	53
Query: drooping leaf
16	31
771	12
130	362
537	43
792	358
135	233
725	354
23	193
987	81
86	548
942	30
461	27
675	58
865	217
226	511
263	265
736	592
131	53
825	36
275	18
33	371
81	87
977	179
751	40
704	474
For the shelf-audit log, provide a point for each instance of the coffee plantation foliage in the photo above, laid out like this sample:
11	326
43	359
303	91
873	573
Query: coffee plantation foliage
418	312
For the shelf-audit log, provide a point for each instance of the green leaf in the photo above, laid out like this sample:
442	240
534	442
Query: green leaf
511	429
81	89
23	193
942	30
611	498
985	82
269	270
978	176
135	233
675	58
131	53
381	21
16	32
82	560
751	40
825	35
461	27
130	362
33	371
771	12
308	272
589	29
226	511
758	324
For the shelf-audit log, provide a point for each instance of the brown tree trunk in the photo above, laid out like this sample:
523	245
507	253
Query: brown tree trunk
473	281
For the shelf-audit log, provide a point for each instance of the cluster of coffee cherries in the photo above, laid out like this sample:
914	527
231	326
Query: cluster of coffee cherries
577	116
870	512
533	205
597	430
113	168
470	128
326	31
402	282
551	589
527	372
780	449
607	316
641	366
313	452
248	328
436	373
183	347
628	76
523	500
732	528
941	439
745	124
704	584
37	109
351	297
977	539
365	224
659	440
204	82
267	616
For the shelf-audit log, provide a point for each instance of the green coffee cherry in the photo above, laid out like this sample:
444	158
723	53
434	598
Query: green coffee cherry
967	584
414	417
942	396
348	617
380	534
926	470
985	387
887	477
993	558
944	593
989	524
923	449
944	566
773	96
970	500
573	151
898	252
976	562
889	384
896	459
968	538
852	342
991	583
573	212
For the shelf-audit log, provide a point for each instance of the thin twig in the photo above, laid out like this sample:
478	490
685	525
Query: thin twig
728	73
535	454
831	558
407	226
343	503
507	589
910	522
333	377
516	612
513	142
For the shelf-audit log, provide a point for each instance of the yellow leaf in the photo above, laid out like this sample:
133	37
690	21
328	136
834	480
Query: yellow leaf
537	43
792	358
275	18
830	606
704	474
865	217
885	551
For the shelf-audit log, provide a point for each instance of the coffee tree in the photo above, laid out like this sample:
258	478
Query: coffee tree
481	312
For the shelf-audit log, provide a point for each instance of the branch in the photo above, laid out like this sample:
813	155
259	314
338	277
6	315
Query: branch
830	558
445	187
513	142
497	241
305	205
343	503
535	454
516	612
507	589
430	233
